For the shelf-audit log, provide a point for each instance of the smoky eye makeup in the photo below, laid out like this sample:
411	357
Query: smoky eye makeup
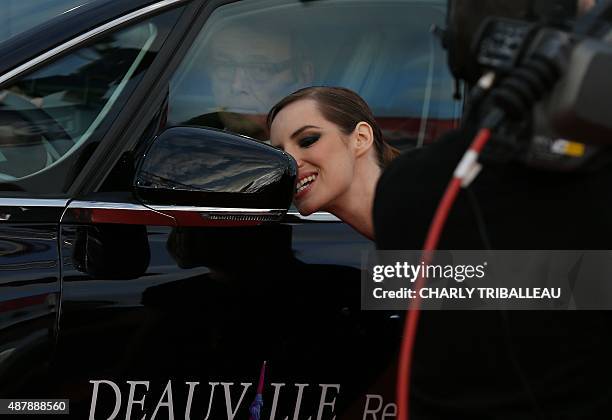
308	141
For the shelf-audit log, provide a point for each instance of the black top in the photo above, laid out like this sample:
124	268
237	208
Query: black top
497	364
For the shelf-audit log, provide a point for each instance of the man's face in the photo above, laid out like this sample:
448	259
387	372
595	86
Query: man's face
251	71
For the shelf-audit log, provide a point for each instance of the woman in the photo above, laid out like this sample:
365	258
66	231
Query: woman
338	146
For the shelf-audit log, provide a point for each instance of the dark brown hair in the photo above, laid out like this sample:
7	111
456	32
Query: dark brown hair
344	108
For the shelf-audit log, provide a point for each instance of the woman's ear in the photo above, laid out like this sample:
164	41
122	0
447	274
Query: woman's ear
364	138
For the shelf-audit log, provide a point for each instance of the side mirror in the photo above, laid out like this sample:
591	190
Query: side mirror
207	177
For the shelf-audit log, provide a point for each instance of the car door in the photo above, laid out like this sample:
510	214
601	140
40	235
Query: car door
201	308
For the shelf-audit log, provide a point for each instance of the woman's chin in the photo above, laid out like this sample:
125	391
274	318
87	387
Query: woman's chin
304	210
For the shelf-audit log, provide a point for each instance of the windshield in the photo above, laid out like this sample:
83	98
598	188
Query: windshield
20	15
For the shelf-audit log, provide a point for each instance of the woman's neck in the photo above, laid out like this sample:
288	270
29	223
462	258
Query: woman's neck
355	205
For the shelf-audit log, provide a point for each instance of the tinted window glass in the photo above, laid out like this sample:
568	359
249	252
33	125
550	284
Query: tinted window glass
49	119
251	54
20	15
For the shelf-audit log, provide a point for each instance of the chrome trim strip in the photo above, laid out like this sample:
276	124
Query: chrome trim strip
221	210
33	202
84	37
320	216
212	210
106	205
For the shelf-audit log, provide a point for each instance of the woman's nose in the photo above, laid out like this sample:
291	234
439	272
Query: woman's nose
296	156
298	160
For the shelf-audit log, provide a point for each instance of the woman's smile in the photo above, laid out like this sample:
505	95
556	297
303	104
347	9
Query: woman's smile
304	185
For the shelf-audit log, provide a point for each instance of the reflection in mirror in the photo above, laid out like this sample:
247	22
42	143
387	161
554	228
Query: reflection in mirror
206	167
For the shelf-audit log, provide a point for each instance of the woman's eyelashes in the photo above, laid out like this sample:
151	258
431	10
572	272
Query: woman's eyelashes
306	142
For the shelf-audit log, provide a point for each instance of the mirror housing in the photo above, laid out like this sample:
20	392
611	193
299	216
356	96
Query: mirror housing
199	175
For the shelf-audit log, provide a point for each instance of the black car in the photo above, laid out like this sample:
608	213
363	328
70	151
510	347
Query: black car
150	260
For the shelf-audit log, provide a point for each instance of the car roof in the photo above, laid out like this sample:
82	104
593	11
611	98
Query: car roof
62	27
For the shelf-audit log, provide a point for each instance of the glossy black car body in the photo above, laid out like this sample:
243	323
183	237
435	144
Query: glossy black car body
111	293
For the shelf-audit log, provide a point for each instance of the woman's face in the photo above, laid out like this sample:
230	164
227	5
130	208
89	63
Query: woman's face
323	154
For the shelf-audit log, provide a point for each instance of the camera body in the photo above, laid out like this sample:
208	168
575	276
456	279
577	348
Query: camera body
550	63
469	25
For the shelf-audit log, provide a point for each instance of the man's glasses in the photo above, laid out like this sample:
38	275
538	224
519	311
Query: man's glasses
258	72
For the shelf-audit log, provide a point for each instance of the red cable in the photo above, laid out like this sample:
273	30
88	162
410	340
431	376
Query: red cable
412	317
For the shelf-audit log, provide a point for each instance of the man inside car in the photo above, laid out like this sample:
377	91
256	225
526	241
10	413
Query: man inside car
250	68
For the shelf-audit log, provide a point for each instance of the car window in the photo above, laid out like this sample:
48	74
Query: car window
251	54
49	118
21	15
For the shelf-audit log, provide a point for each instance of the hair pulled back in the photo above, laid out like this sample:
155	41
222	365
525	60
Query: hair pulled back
344	108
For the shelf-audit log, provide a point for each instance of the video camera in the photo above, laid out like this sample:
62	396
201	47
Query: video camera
547	66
